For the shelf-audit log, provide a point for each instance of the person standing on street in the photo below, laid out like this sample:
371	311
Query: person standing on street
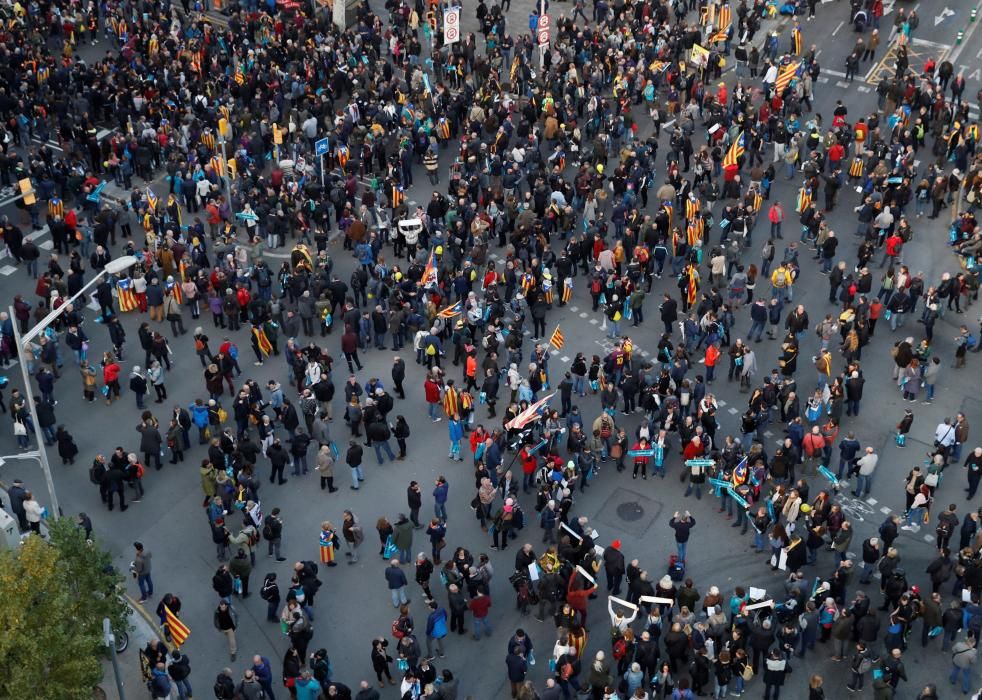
353	535
414	497
683	526
179	670
226	620
396	579
141	571
262	670
273	532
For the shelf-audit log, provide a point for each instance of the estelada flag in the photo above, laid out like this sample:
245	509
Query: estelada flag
152	199
175	290
733	154
179	632
126	295
557	340
262	342
451	311
429	272
567	289
528	415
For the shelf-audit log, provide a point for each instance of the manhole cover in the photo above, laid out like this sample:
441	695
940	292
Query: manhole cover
630	511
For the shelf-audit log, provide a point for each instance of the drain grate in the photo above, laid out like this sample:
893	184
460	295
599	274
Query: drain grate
630	511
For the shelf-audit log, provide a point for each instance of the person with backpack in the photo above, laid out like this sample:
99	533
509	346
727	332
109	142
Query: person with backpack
247	539
159	683
781	282
179	671
224	687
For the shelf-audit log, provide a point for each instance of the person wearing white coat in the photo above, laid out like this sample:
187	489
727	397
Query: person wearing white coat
32	511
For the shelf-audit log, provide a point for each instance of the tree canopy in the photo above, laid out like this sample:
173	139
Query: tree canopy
54	595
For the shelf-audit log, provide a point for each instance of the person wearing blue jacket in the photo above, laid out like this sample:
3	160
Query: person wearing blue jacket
307	687
199	416
440	493
436	628
456	432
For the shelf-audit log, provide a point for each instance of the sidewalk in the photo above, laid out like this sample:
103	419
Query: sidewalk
143	629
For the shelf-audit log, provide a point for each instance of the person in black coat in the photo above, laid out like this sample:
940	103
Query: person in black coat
399	375
67	449
775	670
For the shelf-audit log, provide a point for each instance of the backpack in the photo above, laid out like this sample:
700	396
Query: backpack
233	351
267	531
595	286
267	590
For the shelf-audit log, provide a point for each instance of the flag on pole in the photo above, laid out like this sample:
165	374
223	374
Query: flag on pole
528	415
430	275
451	311
557	340
733	154
179	632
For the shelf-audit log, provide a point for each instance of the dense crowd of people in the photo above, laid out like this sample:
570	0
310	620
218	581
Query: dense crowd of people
554	171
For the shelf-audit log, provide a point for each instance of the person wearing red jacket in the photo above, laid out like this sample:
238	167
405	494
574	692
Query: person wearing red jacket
110	377
836	153
432	391
349	346
640	461
479	606
712	357
813	445
891	249
577	597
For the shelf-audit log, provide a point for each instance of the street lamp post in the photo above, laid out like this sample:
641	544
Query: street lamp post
109	639
112	267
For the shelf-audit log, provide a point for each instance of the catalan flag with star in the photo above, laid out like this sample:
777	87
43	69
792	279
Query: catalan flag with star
451	311
557	340
733	154
152	199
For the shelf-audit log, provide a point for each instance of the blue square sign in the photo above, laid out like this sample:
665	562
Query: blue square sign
321	147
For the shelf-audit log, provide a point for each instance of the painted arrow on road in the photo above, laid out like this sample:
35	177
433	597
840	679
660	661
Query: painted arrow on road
945	13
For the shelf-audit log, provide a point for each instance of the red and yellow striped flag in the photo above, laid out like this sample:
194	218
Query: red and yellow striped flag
262	342
785	75
733	154
557	340
179	632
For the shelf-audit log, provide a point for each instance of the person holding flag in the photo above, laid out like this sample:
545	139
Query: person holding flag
260	344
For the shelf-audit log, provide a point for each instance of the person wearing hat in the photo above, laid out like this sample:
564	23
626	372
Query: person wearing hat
614	567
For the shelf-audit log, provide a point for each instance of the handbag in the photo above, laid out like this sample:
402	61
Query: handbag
19	428
390	549
402	664
932	479
748	672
